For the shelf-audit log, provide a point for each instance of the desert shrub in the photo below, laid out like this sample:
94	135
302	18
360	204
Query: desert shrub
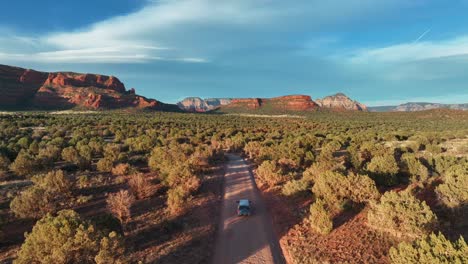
24	164
48	193
111	250
48	155
112	151
294	187
55	182
122	169
119	205
269	174
454	191
105	165
139	186
443	163
70	154
320	219
329	187
66	238
416	171
4	162
433	148
34	202
402	215
429	250
383	169
335	188
361	188
175	199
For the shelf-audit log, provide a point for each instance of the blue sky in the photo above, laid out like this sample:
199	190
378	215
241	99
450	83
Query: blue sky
379	52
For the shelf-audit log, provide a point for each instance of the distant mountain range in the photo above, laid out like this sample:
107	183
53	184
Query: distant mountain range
337	102
417	106
25	89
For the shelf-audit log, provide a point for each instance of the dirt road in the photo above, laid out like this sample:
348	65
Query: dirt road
244	239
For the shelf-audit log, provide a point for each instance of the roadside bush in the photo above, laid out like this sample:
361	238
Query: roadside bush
294	187
140	186
67	238
429	250
454	191
119	205
320	218
402	215
269	174
383	169
335	188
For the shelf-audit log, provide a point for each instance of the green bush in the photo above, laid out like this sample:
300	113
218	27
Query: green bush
402	215
24	164
66	238
34	202
48	193
335	188
416	171
383	169
4	162
269	173
105	165
429	250
454	191
175	199
294	187
55	182
320	219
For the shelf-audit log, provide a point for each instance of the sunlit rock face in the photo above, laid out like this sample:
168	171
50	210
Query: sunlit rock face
340	101
29	89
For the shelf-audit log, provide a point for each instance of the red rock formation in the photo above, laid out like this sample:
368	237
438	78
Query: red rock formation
24	89
248	103
294	103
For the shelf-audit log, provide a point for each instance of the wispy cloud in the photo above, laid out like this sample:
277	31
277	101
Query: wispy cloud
415	51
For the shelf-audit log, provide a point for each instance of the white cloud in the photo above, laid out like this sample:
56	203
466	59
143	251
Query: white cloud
187	30
411	52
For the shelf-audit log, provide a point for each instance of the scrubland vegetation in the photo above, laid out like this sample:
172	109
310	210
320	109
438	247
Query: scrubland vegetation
119	188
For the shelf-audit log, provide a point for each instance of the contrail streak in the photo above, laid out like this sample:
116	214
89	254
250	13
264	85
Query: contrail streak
422	35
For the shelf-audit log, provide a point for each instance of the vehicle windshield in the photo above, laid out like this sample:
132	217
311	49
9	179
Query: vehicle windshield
243	207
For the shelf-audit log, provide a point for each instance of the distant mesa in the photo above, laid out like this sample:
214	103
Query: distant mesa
196	104
29	89
417	106
282	103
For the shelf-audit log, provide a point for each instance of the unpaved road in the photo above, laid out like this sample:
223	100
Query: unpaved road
244	239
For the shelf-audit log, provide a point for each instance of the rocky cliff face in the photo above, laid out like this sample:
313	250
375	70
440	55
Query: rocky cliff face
196	104
282	103
413	107
29	89
340	101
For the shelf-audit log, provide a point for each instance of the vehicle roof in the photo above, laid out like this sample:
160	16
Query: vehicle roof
244	202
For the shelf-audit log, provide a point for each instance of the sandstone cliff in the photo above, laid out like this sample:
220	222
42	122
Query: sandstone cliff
29	89
340	101
196	104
